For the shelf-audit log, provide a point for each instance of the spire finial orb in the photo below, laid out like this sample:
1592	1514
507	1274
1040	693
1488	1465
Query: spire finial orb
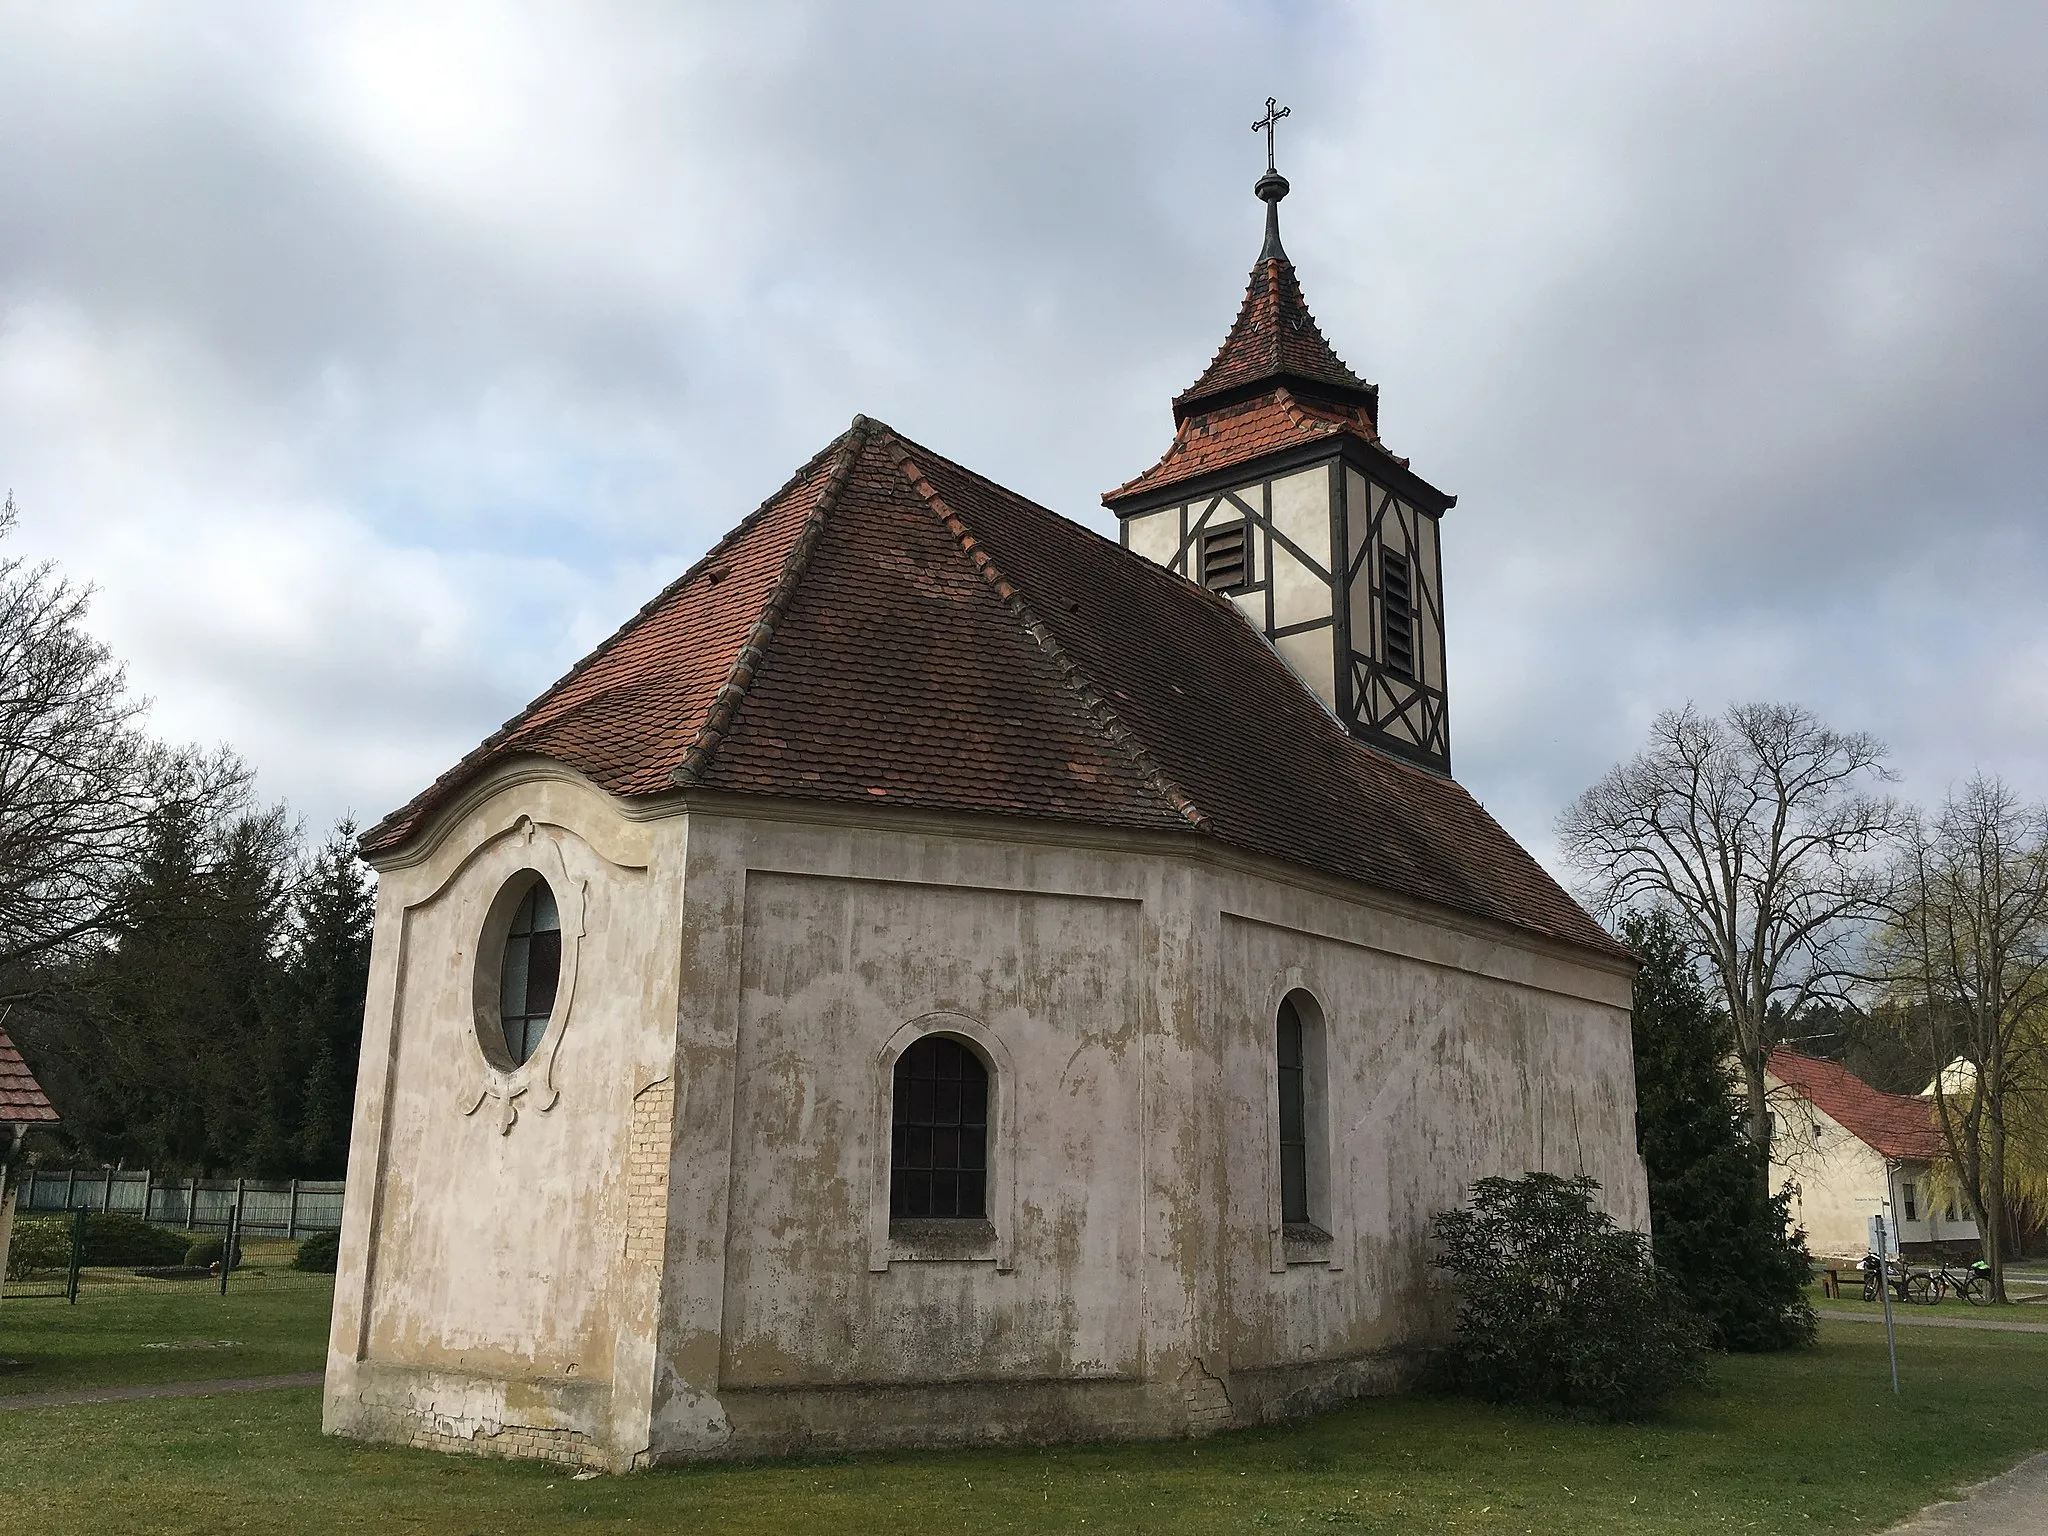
1272	186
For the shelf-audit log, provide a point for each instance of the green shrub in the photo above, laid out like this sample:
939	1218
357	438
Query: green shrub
1559	1305
41	1244
206	1252
111	1238
318	1254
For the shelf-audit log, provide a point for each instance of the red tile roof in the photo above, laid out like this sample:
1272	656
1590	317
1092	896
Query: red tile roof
892	629
1895	1124
1274	337
1244	430
22	1100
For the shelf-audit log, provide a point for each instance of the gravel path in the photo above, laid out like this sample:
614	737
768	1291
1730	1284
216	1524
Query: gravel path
2014	1504
159	1389
1908	1316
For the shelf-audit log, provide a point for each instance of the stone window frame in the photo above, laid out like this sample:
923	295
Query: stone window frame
1320	1241
989	1241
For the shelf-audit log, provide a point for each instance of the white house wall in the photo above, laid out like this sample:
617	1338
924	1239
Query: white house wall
1842	1181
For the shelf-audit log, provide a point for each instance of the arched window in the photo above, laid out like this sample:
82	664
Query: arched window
938	1164
532	969
1293	1068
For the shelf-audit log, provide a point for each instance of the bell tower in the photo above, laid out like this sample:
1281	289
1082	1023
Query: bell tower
1278	495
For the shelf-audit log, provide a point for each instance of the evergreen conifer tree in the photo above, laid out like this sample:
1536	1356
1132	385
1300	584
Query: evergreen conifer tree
1727	1243
326	976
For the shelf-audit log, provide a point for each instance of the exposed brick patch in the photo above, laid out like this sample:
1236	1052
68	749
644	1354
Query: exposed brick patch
564	1447
647	1169
1206	1400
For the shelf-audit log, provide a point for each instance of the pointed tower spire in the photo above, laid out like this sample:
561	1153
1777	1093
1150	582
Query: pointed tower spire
1275	340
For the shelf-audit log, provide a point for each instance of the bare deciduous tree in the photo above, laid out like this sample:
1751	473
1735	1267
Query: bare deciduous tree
80	780
1966	954
1758	830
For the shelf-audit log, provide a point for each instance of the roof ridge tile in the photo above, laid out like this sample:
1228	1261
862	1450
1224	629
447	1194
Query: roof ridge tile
396	824
746	661
1093	703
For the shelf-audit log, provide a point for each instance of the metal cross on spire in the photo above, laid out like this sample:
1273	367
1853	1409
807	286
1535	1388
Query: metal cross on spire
1274	112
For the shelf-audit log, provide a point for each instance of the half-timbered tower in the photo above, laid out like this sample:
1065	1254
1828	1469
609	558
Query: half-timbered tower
1278	494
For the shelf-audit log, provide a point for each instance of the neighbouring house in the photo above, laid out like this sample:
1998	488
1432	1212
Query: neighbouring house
23	1107
1854	1151
940	975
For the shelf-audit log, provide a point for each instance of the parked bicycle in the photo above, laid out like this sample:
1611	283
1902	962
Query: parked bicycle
1973	1284
1915	1286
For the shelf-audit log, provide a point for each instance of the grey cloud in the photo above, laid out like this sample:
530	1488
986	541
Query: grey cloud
1724	324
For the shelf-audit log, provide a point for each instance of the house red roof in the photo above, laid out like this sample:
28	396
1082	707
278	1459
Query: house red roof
1895	1124
892	629
22	1100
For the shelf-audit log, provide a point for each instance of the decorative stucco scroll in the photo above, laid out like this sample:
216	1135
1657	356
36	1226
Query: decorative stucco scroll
538	848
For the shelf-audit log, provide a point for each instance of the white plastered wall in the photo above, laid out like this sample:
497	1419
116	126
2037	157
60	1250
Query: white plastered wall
1131	987
497	1283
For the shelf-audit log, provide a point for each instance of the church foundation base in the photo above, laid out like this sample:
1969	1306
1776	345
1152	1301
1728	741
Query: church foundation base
771	1422
800	1420
565	1422
568	1423
1275	1393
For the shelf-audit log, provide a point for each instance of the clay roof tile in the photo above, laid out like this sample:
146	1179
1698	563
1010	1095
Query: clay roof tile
22	1100
1274	339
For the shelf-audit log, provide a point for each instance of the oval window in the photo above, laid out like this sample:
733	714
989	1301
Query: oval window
533	967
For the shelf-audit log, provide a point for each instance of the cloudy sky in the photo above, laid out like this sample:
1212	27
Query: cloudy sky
374	361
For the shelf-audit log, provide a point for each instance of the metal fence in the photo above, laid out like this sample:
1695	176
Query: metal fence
281	1209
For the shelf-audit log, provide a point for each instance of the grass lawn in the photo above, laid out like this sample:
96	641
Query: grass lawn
1812	1442
272	1321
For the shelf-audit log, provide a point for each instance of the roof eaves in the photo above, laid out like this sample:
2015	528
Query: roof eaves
1071	672
732	693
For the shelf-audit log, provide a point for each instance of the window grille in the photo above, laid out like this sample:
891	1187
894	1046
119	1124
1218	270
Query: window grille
1226	558
1397	613
532	969
1293	1117
939	1159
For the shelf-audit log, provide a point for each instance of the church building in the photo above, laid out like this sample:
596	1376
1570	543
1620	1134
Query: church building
938	975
